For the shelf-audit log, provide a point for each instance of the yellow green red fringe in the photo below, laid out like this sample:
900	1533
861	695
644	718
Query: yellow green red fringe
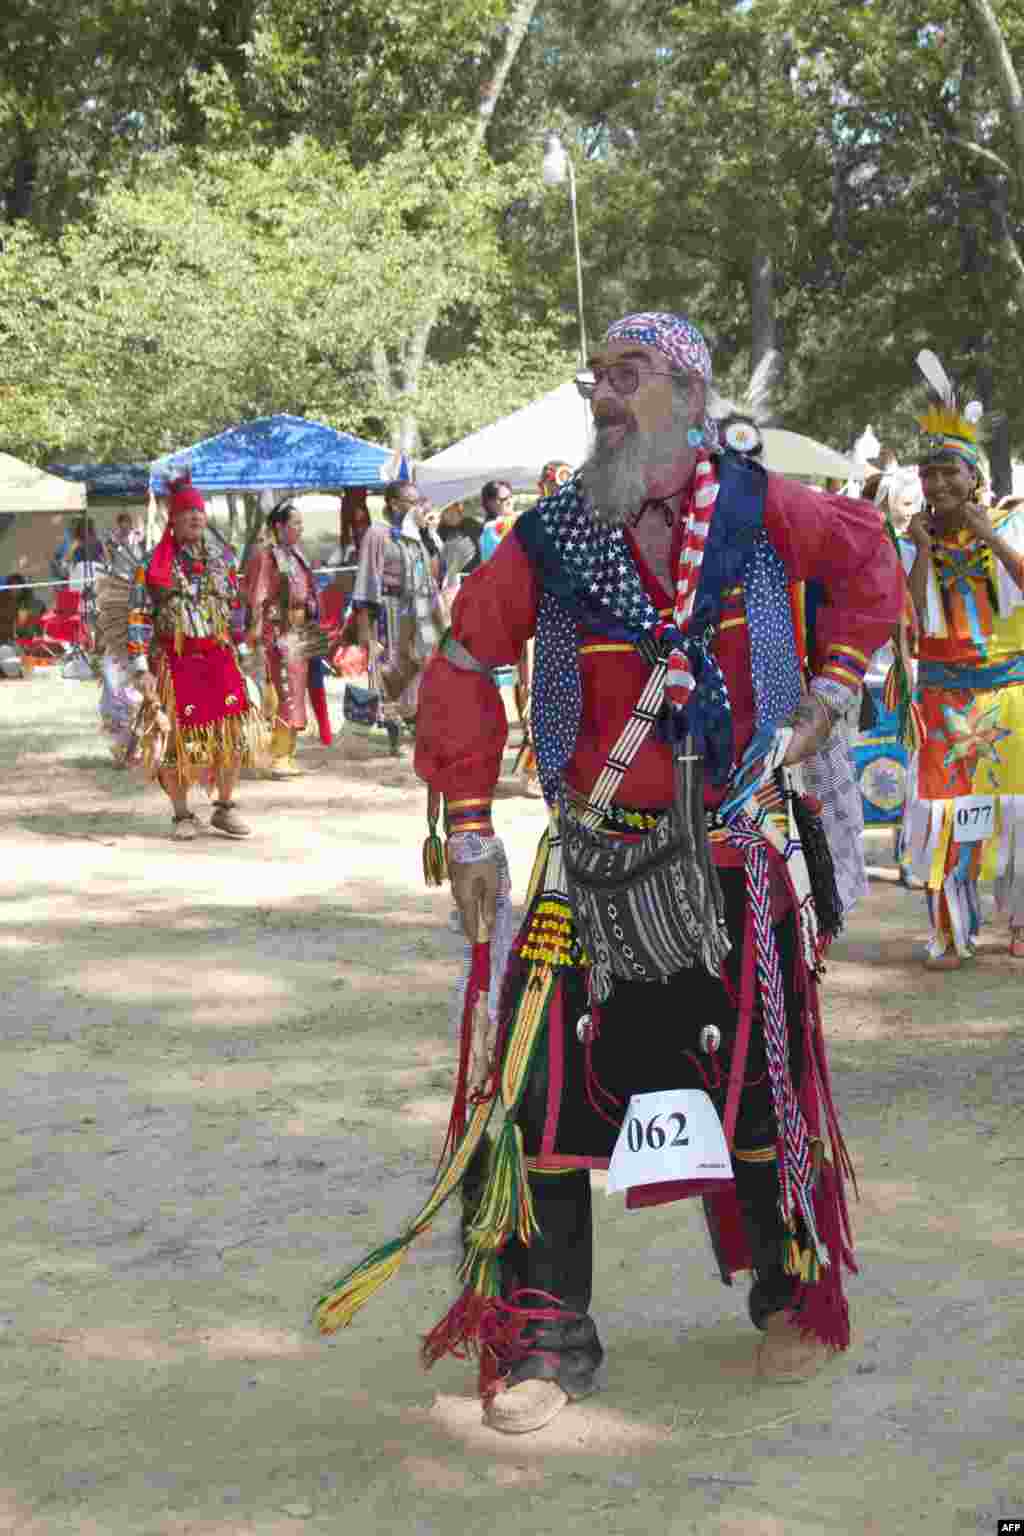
505	1206
435	855
339	1305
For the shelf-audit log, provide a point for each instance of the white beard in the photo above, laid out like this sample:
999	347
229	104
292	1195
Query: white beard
616	478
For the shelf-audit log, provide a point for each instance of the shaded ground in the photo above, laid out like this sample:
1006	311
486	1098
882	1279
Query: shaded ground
224	1071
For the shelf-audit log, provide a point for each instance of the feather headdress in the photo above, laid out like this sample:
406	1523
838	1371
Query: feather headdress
949	432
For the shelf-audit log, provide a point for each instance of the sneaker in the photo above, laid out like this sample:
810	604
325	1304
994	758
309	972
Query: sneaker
227	820
185	829
285	768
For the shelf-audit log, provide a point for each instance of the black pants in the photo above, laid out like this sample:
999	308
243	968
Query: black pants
649	1037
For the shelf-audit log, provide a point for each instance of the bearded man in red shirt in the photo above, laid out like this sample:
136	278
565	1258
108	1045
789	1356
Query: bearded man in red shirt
702	630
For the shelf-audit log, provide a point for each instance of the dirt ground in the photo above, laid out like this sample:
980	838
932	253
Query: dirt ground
225	1074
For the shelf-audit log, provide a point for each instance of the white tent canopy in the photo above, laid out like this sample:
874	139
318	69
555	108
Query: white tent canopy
557	426
514	449
23	488
790	453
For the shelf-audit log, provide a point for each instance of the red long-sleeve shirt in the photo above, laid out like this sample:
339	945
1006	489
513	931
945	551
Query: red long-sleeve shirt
461	727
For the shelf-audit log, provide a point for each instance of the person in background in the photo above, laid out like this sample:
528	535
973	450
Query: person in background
170	629
27	607
899	496
282	598
965	817
456	525
355	520
397	604
87	546
430	523
553	476
496	500
125	539
59	558
11	608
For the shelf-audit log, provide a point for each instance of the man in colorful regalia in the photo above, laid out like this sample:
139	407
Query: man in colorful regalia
171	619
284	610
397	605
965	820
680	597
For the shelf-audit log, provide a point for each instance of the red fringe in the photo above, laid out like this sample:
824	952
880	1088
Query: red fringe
458	1332
478	984
823	1309
491	1327
501	1335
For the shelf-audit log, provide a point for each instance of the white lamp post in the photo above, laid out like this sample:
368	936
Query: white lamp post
555	168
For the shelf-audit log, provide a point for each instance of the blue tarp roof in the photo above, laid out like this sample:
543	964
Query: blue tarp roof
129	481
284	453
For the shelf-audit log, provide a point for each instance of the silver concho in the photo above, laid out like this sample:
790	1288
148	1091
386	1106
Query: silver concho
583	1026
710	1039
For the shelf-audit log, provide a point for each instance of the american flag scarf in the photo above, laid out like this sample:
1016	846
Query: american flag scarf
679	680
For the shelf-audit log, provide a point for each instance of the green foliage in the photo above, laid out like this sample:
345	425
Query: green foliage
218	208
239	285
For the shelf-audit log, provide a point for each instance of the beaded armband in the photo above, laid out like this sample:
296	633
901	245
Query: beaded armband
846	666
467	815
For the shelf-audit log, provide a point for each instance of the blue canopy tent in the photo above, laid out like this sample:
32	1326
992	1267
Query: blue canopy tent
281	453
129	482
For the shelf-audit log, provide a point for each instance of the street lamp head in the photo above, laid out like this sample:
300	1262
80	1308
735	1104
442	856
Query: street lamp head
555	165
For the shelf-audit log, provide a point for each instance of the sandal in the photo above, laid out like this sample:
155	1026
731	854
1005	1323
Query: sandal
227	820
184	828
1017	943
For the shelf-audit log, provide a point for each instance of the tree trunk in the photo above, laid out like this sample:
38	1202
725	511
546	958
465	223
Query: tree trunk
1005	75
233	500
254	518
983	191
401	379
18	194
763	330
1011	93
762	304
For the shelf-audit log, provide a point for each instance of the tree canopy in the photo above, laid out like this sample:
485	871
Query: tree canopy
217	210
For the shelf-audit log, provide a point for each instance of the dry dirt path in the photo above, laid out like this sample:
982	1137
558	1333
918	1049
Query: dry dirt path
224	1071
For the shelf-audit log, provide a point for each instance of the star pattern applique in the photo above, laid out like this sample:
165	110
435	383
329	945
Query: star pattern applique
973	734
597	559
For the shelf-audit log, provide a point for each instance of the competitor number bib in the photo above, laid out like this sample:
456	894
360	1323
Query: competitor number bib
673	1134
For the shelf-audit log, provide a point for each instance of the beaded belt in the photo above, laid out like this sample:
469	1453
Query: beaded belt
629	820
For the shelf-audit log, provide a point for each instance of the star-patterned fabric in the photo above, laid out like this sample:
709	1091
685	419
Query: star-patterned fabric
773	653
591	581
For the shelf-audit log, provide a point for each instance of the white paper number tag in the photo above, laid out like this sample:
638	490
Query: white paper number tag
974	818
674	1134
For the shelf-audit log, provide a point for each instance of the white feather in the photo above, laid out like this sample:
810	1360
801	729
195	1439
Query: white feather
761	383
866	446
937	377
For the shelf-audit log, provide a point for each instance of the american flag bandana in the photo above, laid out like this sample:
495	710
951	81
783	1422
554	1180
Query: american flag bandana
676	338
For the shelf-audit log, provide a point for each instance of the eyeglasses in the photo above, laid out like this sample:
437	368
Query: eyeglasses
624	378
